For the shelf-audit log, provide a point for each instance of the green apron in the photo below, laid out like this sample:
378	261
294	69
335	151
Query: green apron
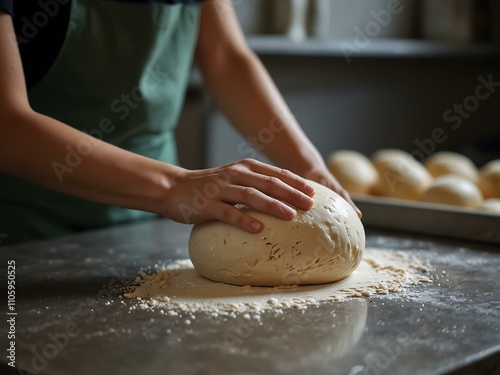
120	76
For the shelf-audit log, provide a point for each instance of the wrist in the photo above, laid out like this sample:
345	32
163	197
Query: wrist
307	161
167	184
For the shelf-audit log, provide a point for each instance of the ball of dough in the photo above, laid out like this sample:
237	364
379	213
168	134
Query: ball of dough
388	155
320	245
489	179
445	162
400	175
354	171
491	205
453	190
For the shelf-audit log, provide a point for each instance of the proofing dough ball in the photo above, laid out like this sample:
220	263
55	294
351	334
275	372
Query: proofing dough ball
445	162
354	171
400	175
320	245
489	179
388	155
491	205
453	190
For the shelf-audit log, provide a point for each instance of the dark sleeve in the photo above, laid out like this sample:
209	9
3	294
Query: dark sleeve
6	5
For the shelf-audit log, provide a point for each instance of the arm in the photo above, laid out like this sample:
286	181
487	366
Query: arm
30	142
244	91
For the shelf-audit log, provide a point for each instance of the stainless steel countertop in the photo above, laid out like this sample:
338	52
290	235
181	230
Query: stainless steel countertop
65	326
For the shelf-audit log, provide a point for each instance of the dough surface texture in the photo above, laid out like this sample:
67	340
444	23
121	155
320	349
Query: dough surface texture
320	245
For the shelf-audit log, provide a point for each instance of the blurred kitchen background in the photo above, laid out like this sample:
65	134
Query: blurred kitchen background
365	75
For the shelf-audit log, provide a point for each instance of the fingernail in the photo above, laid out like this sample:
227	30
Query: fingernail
256	226
358	211
288	211
309	189
308	200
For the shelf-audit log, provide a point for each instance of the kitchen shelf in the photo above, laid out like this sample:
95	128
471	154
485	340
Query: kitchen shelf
377	48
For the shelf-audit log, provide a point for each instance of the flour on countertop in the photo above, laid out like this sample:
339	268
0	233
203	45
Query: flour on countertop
180	289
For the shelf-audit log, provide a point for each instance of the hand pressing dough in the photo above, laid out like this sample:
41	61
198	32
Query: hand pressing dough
489	179
400	175
320	245
445	162
491	205
354	171
453	190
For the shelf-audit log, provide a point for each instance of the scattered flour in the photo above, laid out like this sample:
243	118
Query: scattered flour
180	289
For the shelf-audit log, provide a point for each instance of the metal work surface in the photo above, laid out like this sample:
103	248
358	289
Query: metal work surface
429	218
65	323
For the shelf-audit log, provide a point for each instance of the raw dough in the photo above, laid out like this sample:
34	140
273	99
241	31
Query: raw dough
320	245
400	175
491	205
489	179
388	155
354	171
453	190
445	162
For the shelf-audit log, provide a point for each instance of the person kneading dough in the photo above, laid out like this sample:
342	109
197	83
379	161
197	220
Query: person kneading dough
320	245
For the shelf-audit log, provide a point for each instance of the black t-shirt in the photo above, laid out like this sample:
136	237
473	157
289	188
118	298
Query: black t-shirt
41	26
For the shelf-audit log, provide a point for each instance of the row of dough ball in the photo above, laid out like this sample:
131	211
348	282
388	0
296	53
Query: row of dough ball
445	178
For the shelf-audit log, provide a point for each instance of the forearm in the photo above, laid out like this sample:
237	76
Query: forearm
245	92
47	152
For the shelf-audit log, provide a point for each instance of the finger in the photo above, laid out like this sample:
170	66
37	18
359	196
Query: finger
273	186
259	201
284	175
233	216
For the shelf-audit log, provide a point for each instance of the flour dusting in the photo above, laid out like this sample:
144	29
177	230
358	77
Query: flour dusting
178	288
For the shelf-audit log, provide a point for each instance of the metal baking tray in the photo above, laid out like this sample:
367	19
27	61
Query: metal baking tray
428	218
